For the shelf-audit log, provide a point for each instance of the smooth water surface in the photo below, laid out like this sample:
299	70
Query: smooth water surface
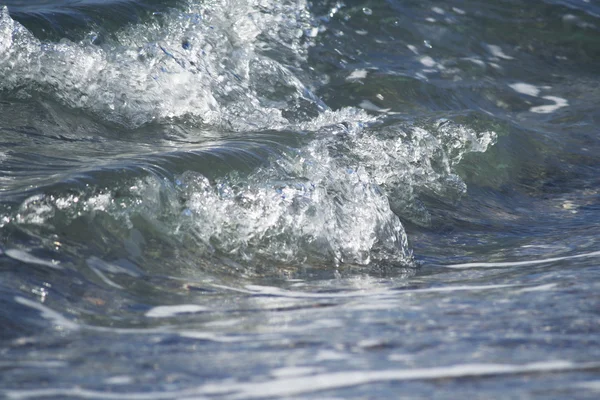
288	199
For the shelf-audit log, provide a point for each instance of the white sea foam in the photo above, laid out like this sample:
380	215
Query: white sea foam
525	88
334	200
534	91
206	63
428	61
497	51
357	74
559	102
540	288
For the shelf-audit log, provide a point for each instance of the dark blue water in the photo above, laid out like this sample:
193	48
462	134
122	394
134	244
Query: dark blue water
290	199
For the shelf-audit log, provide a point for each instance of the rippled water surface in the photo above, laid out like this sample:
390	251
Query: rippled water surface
289	199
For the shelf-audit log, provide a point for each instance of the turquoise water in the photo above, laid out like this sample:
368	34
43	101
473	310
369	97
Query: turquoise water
290	199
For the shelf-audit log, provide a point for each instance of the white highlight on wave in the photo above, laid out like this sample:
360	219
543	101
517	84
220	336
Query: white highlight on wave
309	384
376	293
28	258
172	311
520	263
46	364
593	385
47	313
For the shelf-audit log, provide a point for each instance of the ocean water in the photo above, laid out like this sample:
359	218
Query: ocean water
248	199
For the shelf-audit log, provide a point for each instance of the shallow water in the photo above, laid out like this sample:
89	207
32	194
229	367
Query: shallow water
284	199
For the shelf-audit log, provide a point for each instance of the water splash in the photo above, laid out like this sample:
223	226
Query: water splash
209	63
335	197
336	200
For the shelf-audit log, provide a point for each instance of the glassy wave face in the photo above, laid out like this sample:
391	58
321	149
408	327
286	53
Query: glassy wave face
236	175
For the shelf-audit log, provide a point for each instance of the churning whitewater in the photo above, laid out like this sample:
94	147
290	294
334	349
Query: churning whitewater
333	197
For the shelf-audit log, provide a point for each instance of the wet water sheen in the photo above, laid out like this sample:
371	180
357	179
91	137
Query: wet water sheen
286	199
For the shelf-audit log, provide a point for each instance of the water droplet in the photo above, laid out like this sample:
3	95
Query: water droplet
367	11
